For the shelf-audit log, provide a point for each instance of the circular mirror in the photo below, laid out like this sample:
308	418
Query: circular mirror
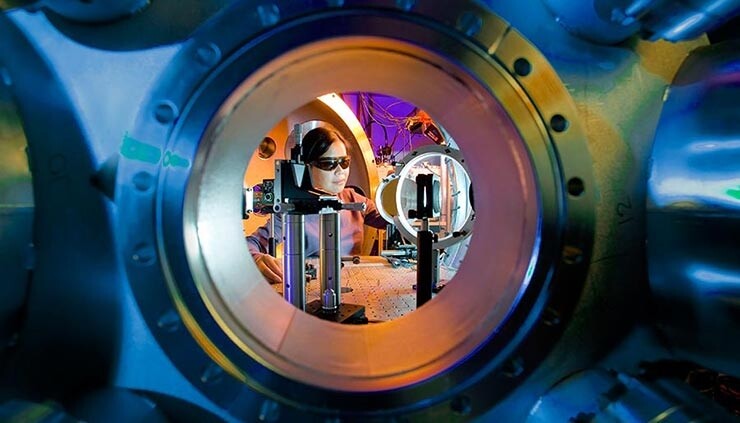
452	214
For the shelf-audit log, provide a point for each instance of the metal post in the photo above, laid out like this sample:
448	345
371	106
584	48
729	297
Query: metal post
424	239
330	259
294	260
424	264
435	268
272	242
446	221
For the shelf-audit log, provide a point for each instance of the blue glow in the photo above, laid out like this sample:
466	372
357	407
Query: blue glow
698	192
712	146
684	26
714	280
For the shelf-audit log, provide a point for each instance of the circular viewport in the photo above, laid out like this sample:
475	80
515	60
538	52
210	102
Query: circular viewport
385	170
393	125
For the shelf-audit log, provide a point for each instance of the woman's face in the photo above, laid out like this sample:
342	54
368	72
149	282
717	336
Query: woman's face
331	181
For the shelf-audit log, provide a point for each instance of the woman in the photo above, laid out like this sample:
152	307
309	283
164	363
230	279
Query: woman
325	153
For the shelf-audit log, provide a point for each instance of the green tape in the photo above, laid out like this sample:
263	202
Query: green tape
137	150
734	193
173	160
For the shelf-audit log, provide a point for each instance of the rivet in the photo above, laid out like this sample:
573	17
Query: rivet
572	255
165	111
269	14
143	254
143	181
269	411
461	405
169	321
405	4
208	55
470	23
514	368
212	374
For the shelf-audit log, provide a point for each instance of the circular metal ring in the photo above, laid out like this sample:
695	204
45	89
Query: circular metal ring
478	339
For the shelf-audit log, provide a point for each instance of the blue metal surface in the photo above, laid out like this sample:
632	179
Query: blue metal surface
614	21
606	396
98	109
694	209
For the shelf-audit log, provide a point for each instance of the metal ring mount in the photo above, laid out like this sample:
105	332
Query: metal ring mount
402	222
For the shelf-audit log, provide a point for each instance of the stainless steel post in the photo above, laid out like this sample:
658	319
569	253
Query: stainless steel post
271	241
294	260
330	259
435	268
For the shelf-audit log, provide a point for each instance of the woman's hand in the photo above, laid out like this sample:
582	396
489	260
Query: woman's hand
270	267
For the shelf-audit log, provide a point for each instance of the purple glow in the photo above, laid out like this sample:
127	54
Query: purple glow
388	123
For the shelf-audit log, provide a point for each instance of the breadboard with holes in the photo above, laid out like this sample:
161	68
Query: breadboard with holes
386	290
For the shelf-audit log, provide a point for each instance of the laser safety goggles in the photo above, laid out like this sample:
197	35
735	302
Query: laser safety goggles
331	163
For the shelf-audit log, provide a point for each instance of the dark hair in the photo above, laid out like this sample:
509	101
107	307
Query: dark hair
317	141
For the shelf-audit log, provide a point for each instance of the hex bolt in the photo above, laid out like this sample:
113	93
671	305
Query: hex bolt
469	23
461	405
212	374
269	411
405	5
208	55
269	14
169	321
143	254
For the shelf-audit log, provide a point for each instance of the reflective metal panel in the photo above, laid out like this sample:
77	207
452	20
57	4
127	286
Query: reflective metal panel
622	398
694	209
613	21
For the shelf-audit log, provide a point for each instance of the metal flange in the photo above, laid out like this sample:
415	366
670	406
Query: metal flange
180	186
